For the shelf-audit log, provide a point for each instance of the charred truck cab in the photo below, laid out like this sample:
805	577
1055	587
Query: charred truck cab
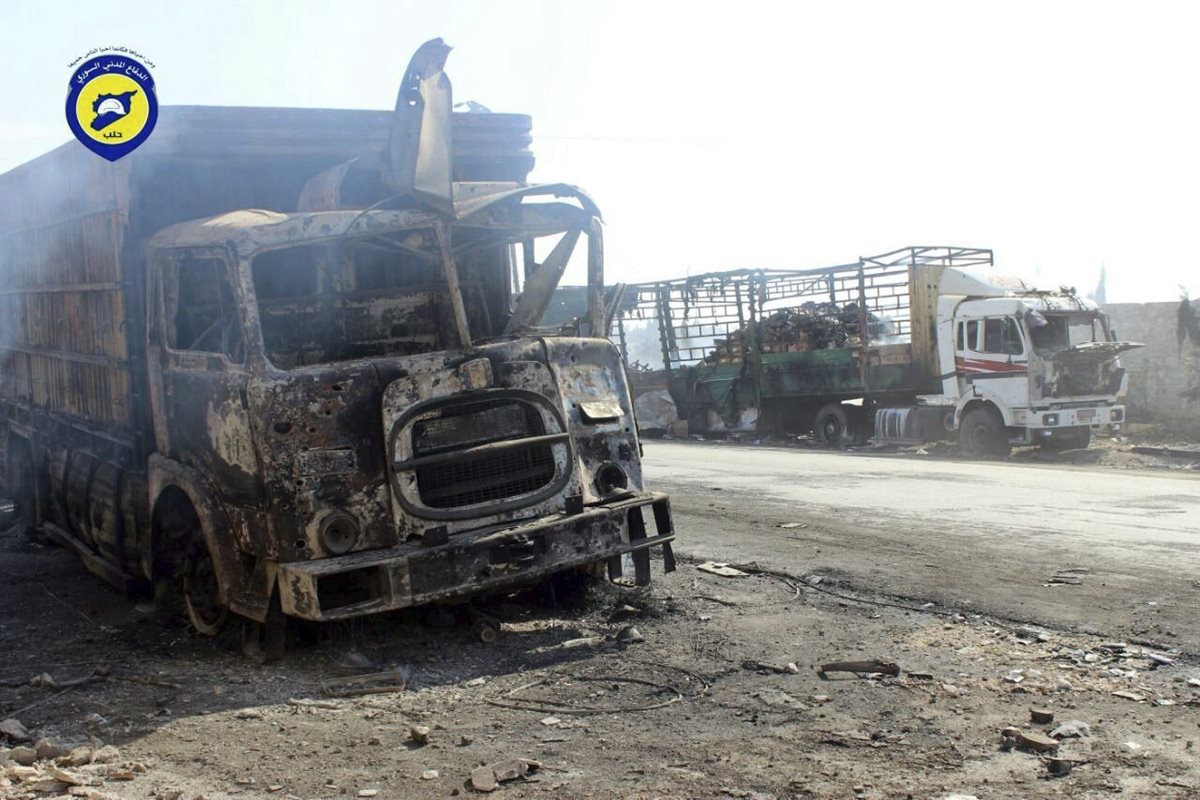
329	412
349	393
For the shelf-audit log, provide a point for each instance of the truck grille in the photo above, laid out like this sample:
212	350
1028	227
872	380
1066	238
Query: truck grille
484	477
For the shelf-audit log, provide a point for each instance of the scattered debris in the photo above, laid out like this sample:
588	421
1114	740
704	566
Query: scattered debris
419	735
1042	716
1059	767
13	729
624	612
1027	634
373	683
1073	729
1159	660
429	774
861	667
304	702
1134	696
629	635
722	569
489	777
770	667
582	641
790	525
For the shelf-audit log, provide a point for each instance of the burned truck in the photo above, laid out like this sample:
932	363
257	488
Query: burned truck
916	345
340	406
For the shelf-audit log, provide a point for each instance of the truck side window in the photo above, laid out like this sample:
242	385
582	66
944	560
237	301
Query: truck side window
962	343
205	317
972	335
1001	336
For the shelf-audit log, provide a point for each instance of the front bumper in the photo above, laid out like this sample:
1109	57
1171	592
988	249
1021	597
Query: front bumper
399	577
1054	419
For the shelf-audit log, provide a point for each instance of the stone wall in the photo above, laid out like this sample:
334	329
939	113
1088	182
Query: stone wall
1158	373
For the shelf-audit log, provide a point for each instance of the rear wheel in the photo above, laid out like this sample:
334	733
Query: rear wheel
982	433
836	426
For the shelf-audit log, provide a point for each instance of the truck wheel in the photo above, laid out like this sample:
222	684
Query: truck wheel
201	591
982	433
834	427
1069	439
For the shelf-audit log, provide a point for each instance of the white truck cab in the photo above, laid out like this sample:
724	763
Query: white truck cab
1044	362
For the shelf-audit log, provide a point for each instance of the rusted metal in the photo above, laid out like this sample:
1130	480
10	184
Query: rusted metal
418	154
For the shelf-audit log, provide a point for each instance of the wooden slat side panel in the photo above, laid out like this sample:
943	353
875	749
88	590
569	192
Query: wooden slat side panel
62	290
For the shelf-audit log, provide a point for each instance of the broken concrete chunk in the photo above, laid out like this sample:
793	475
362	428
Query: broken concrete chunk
1038	742
106	755
14	730
429	774
23	755
1073	729
44	681
1134	696
419	734
483	779
488	778
69	778
48	749
78	757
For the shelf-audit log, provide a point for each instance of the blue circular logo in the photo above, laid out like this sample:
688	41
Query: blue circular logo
111	105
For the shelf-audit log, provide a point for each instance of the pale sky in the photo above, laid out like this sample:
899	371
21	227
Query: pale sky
1062	135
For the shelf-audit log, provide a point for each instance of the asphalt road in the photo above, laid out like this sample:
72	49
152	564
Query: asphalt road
983	536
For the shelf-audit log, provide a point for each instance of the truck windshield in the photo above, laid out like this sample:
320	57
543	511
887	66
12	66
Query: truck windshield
1053	332
373	296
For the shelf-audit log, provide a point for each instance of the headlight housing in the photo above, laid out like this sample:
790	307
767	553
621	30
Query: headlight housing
339	533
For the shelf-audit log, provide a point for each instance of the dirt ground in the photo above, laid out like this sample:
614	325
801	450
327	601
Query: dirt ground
705	706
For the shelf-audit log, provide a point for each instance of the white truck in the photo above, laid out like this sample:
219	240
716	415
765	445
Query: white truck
915	345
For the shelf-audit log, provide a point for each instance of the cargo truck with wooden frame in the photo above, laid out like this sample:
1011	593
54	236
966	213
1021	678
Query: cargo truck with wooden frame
334	410
911	346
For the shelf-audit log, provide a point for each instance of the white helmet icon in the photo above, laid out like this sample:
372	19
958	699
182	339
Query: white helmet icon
111	105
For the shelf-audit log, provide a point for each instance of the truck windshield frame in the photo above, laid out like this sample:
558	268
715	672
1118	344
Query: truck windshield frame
405	290
1050	332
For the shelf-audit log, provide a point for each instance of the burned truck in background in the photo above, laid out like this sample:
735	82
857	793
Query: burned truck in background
915	345
332	411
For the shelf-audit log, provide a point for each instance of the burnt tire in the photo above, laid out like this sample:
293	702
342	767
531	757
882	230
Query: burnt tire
837	426
1069	439
982	434
202	591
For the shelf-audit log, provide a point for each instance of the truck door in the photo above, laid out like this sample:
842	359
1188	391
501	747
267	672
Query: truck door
198	370
990	357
